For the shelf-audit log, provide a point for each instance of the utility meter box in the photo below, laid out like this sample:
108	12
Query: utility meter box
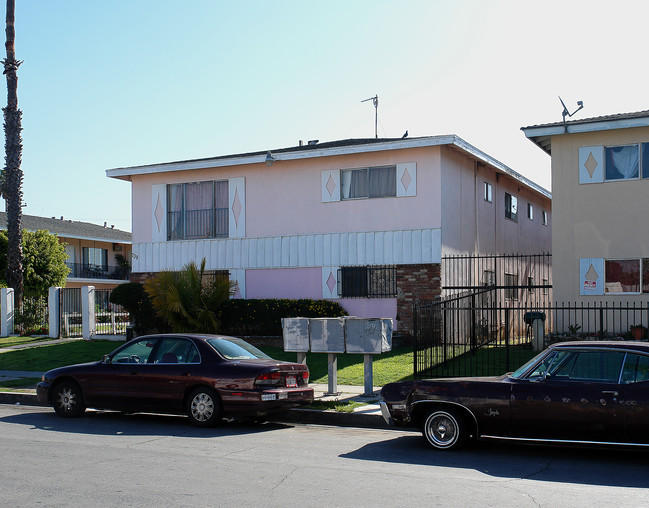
327	335
368	335
296	334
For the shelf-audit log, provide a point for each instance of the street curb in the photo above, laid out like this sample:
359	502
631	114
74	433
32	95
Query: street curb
298	415
26	399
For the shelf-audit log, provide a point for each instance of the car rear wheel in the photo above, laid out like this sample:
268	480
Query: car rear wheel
68	399
445	429
204	407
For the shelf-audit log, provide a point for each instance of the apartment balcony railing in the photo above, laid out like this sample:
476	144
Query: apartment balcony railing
83	271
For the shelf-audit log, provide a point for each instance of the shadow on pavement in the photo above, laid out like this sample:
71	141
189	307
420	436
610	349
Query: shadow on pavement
113	423
589	466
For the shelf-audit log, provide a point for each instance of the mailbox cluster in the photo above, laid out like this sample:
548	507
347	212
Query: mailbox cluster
337	335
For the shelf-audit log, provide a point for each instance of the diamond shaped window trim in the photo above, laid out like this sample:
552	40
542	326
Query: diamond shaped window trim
591	164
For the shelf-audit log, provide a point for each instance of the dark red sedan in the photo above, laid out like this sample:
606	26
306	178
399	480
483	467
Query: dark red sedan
205	376
573	392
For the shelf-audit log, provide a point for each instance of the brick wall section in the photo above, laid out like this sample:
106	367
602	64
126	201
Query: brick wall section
141	277
415	282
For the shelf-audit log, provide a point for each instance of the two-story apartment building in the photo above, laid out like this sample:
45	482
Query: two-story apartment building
362	221
93	250
600	182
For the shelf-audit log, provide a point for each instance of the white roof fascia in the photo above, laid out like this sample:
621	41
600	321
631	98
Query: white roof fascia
533	132
90	238
328	152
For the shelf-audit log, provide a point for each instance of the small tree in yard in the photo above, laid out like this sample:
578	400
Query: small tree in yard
188	300
43	261
137	303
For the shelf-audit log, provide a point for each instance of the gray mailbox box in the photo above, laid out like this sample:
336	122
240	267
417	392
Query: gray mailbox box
368	336
296	334
327	335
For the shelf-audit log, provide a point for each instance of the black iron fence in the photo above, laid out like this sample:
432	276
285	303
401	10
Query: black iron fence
34	317
460	335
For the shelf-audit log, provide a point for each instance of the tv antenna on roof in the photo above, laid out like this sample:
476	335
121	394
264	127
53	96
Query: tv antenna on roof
566	113
375	101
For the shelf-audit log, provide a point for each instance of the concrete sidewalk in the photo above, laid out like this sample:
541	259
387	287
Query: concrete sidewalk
368	415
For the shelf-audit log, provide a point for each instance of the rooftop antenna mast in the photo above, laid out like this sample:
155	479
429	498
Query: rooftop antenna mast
566	113
375	101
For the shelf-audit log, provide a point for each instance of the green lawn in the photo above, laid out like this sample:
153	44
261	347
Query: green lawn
16	341
393	366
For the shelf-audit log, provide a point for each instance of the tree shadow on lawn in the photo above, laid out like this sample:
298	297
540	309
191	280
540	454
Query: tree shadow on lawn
613	467
115	423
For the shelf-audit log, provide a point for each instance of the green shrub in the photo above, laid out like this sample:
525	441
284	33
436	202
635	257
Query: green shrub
264	317
137	303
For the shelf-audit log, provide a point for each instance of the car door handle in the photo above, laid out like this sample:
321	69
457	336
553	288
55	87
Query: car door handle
610	392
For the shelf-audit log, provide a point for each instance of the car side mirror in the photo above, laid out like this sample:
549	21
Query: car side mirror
106	359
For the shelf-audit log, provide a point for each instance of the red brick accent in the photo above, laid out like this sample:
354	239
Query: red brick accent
141	277
415	282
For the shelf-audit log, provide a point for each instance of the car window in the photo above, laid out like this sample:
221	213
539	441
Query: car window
549	364
636	368
236	349
138	352
598	366
176	350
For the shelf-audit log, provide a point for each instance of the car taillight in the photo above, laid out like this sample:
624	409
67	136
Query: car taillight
305	377
269	379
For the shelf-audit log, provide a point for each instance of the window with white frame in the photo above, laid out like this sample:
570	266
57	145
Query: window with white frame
197	210
488	192
626	275
94	258
545	218
626	162
530	211
511	207
374	182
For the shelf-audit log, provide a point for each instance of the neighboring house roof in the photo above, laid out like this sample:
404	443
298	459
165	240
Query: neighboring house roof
327	149
71	229
541	134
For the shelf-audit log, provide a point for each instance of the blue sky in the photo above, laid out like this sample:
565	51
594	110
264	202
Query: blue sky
123	83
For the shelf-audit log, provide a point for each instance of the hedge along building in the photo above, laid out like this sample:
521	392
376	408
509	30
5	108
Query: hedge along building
362	221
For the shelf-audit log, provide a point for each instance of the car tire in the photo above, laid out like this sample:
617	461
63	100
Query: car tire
445	429
204	407
67	399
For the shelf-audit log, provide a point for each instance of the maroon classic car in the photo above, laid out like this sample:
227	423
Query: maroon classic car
205	376
573	392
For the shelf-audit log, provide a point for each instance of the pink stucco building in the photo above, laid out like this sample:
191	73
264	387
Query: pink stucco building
362	221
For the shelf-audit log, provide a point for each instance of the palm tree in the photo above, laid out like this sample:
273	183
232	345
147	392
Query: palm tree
189	299
12	175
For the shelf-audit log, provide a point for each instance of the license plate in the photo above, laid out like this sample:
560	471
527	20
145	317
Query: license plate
291	382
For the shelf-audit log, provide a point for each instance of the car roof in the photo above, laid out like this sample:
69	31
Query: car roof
609	344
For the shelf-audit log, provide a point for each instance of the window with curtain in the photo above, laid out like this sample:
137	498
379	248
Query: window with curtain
622	162
197	210
378	182
93	257
622	275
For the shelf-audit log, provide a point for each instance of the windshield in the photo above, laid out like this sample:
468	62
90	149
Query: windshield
518	373
236	349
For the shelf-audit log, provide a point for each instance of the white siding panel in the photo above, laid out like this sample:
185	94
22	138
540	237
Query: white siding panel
318	259
337	249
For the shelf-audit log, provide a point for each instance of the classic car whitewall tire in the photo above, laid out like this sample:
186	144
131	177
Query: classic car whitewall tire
445	429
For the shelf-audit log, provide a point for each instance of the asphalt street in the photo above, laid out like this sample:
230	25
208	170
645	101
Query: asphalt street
110	459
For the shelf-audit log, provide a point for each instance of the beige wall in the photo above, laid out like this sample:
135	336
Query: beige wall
599	220
471	224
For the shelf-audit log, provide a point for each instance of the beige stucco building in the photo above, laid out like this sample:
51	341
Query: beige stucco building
600	203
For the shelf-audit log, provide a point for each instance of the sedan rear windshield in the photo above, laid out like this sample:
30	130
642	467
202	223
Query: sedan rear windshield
236	349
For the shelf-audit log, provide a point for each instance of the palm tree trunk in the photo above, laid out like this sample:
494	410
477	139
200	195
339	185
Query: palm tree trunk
13	155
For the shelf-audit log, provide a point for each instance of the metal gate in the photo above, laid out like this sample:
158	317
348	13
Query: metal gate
70	318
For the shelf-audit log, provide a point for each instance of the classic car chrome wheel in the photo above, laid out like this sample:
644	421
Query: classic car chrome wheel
204	407
68	399
444	429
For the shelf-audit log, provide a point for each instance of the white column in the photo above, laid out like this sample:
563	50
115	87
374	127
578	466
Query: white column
54	304
7	314
88	311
